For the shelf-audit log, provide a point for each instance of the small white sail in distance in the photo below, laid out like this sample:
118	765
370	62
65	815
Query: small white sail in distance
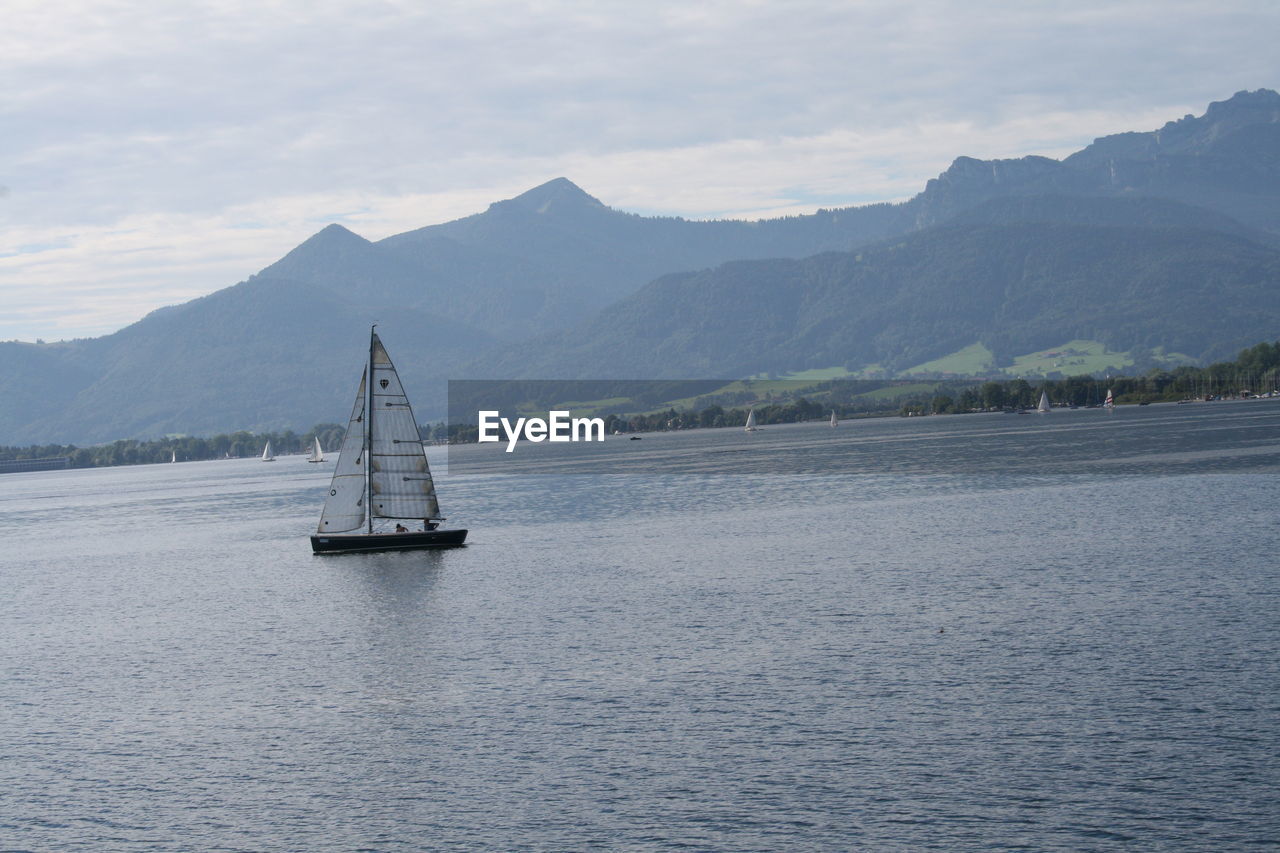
1044	402
317	455
834	420
266	453
751	420
1110	402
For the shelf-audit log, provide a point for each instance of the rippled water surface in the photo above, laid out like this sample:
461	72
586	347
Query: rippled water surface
957	633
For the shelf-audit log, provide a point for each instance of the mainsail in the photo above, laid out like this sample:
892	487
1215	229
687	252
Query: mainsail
1110	402
834	420
400	484
317	455
751	420
1044	402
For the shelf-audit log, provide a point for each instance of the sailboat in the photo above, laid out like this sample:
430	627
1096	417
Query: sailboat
317	455
1044	402
266	453
834	420
382	474
1110	403
751	420
174	456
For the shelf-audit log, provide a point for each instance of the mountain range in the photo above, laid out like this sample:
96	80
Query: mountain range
1014	288
1164	240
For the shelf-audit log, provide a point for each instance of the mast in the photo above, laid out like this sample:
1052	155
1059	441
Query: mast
368	435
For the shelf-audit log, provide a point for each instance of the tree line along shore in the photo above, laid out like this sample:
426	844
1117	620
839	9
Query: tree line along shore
1255	372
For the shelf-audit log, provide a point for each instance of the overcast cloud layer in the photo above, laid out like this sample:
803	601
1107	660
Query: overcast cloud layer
155	152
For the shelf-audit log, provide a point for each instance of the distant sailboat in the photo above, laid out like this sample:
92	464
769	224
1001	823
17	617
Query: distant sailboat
751	421
834	420
1110	403
266	453
1044	402
174	457
382	474
317	455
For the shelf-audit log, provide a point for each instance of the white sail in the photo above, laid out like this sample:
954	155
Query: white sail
834	420
1110	402
344	507
174	457
1044	402
382	468
751	420
266	453
317	455
400	484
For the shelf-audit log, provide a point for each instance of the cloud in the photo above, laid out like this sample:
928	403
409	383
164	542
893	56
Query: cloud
182	123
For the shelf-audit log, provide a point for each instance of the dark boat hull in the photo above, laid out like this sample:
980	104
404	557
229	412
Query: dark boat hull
350	543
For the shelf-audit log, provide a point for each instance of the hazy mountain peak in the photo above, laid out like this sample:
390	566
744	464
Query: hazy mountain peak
1262	101
323	250
1189	134
967	170
329	241
968	181
556	195
334	234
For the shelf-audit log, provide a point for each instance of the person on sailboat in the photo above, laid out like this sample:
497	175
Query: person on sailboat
428	524
400	528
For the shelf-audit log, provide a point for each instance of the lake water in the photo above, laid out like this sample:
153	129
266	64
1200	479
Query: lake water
952	633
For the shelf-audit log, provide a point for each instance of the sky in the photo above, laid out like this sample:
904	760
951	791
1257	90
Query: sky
154	152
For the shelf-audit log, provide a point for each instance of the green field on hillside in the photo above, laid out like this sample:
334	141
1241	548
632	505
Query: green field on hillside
819	374
1077	357
1072	358
973	360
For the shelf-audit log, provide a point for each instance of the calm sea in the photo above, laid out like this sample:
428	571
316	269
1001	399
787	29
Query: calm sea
1052	632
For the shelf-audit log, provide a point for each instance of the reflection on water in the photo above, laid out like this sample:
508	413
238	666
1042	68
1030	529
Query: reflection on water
1056	632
